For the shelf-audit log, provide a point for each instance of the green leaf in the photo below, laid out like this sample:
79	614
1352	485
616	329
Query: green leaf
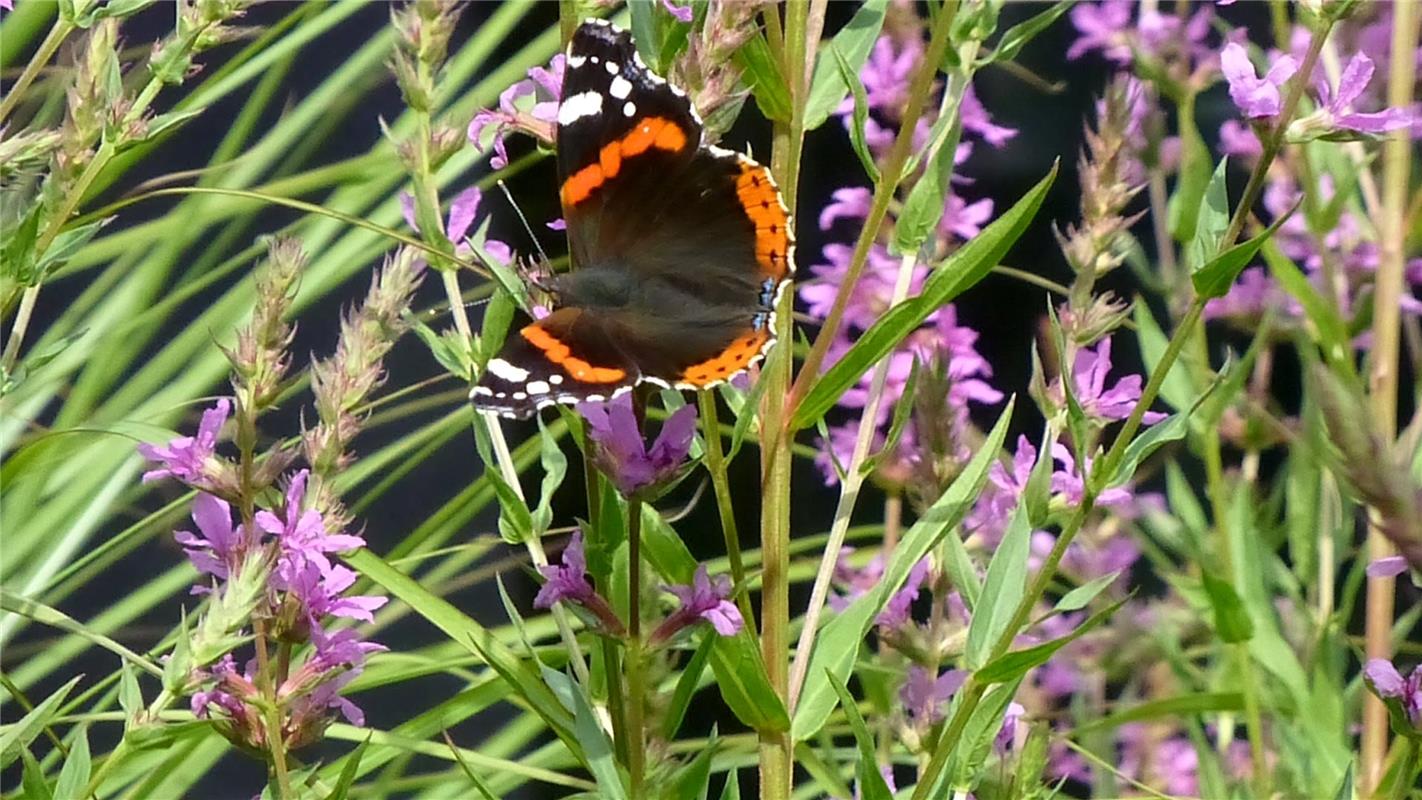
74	775
498	316
1170	429
1177	389
1232	621
555	468
342	789
686	686
515	520
838	643
924	207
1017	37
479	785
1218	274
18	735
645	30
32	779
736	661
866	768
1081	596
1002	590
1012	666
1037	494
1213	219
972	748
1183	211
732	789
130	696
695	781
857	138
597	749
762	72
959	272
180	662
1169	707
831	82
41	613
1345	787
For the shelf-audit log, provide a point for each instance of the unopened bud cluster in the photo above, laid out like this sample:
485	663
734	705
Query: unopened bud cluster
422	31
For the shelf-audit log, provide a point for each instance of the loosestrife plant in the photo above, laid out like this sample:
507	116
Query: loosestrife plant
254	528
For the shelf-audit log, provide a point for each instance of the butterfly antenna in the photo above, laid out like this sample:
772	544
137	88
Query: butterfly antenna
529	228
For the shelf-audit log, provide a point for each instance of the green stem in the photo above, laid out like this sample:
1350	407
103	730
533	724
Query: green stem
1383	369
636	691
720	482
56	36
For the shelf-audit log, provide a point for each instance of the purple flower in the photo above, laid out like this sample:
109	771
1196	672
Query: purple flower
1103	27
1070	484
896	611
1008	733
545	85
850	202
924	695
1239	140
219	549
681	13
1088	374
621	453
186	458
319	593
1256	97
302	535
568	582
963	219
461	218
1387	683
856	582
1336	108
886	75
975	119
1389	567
706	598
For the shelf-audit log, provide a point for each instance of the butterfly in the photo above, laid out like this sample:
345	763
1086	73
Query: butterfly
679	249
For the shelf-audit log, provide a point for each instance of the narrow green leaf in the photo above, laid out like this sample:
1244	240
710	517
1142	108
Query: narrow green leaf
1081	596
1037	494
1212	221
695	781
1002	589
645	30
130	695
732	789
597	749
971	750
1170	429
854	42
1017	37
19	734
342	789
838	643
1328	326
1231	618
1183	211
1177	390
32	779
515	520
74	775
686	688
1174	707
555	468
479	785
860	118
1012	666
762	72
43	614
1218	274
866	769
959	272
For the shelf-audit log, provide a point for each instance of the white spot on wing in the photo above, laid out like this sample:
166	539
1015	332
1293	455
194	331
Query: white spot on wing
576	61
555	379
621	87
538	387
507	371
582	104
629	108
611	67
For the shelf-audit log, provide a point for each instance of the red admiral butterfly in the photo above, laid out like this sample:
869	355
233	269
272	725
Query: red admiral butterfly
679	249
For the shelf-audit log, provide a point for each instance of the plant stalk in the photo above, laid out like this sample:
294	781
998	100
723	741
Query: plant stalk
720	482
636	690
1382	376
58	32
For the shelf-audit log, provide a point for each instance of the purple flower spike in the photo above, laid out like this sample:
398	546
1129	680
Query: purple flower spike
186	457
1256	97
219	548
896	611
681	13
1387	683
924	696
1351	83
302	534
705	598
568	582
1089	376
622	454
1103	27
462	211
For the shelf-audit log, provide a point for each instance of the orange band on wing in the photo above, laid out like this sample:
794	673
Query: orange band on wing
761	201
560	354
653	132
733	359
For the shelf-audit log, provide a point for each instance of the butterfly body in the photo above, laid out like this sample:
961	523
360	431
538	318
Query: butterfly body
679	250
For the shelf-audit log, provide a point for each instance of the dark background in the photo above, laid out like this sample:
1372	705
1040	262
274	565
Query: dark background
1006	312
